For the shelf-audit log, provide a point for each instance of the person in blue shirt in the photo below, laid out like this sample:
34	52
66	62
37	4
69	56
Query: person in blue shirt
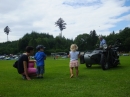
74	55
40	56
102	42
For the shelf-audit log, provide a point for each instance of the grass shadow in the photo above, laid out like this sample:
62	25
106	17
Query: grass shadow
93	67
96	66
118	67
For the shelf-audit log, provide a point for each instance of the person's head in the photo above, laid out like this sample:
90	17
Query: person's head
100	37
30	50
73	47
40	48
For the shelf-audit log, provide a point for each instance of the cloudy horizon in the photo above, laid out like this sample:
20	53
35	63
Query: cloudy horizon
25	16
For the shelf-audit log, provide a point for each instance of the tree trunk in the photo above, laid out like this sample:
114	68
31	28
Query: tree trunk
61	33
7	38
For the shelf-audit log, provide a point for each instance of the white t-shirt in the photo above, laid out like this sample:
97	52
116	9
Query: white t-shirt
74	55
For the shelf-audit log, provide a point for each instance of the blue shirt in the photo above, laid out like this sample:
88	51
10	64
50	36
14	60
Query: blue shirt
39	57
74	55
102	42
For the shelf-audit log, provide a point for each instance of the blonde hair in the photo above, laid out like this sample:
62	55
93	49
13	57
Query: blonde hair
73	47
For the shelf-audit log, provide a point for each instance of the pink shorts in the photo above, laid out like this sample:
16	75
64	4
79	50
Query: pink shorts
74	63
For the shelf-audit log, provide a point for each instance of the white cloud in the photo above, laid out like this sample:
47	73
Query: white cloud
24	16
126	17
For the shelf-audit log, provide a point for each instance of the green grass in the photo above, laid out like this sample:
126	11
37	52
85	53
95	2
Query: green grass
92	82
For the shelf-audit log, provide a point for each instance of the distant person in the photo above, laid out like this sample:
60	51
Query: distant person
23	62
74	55
40	56
102	42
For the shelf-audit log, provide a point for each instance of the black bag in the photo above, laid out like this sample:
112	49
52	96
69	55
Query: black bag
15	65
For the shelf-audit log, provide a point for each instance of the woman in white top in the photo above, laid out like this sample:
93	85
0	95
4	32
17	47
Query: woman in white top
74	55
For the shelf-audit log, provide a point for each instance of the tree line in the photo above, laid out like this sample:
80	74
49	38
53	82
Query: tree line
85	42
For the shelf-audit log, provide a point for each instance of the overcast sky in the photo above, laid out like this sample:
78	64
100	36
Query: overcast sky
81	16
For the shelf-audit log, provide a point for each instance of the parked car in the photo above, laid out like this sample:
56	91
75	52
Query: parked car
125	54
64	57
7	58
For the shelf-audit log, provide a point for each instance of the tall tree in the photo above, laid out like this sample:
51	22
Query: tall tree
32	42
7	30
61	23
93	39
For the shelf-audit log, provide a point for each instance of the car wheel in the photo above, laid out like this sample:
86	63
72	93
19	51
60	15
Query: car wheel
88	65
104	63
116	63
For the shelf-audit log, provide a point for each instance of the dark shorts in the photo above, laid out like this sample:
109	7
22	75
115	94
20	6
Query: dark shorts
40	69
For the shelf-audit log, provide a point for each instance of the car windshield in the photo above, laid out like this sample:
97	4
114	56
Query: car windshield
96	51
88	52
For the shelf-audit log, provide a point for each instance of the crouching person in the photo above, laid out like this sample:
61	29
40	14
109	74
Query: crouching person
23	63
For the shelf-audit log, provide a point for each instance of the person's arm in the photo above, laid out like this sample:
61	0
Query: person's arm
44	56
79	55
35	56
69	55
25	70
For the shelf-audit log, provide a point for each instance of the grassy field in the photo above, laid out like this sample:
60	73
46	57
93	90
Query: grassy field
92	82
